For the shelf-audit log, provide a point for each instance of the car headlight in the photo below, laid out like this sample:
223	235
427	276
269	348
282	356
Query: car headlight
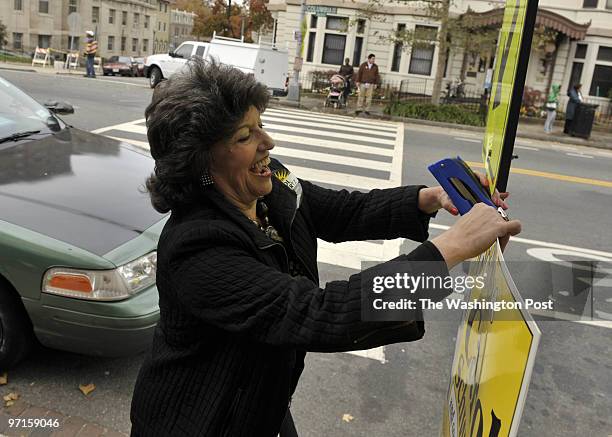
104	285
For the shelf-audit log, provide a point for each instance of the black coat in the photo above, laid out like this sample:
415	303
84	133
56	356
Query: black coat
572	104
234	326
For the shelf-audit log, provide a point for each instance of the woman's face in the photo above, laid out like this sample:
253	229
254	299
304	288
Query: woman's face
240	165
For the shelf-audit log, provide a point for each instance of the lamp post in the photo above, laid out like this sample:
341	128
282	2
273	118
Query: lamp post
293	92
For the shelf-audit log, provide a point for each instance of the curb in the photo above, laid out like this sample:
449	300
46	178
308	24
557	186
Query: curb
19	69
599	144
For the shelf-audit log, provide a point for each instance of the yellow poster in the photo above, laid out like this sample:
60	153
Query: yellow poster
504	77
494	357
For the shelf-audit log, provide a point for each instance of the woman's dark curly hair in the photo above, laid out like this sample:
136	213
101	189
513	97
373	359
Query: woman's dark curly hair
188	114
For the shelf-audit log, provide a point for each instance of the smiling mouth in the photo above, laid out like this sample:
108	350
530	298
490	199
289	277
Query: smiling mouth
260	168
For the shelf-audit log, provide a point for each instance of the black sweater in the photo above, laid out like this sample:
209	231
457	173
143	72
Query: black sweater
235	326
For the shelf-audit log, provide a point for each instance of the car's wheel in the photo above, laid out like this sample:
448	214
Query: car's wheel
156	77
16	336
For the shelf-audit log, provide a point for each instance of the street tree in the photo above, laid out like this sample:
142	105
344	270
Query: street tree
454	31
3	34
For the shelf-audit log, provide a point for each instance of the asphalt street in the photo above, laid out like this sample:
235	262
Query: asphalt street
561	194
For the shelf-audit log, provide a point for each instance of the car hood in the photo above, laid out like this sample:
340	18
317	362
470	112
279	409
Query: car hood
77	187
116	65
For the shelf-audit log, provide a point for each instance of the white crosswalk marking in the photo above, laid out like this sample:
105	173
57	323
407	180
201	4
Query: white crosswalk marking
336	150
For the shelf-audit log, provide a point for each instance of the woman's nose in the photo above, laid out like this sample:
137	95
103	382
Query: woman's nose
267	143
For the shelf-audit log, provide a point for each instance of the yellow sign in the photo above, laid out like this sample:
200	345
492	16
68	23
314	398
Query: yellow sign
501	105
494	357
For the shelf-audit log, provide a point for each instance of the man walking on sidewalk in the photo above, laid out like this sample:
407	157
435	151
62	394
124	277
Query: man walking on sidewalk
366	81
91	47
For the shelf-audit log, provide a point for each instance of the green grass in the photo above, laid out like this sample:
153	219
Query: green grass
12	58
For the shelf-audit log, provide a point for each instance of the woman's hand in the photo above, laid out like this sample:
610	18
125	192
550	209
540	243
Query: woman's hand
435	198
474	233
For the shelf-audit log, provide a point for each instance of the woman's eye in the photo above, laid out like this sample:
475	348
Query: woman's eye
243	139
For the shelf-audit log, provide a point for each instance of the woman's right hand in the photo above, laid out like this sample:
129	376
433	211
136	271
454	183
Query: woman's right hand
474	233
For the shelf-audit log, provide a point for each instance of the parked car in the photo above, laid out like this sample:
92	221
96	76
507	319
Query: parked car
122	65
140	66
78	237
266	62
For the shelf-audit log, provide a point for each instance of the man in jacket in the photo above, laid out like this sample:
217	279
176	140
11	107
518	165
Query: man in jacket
366	81
575	98
91	47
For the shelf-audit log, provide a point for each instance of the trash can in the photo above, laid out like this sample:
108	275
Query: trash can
583	120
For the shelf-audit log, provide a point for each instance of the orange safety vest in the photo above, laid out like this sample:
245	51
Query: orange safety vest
92	47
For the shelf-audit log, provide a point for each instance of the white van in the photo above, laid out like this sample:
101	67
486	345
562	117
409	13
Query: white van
267	63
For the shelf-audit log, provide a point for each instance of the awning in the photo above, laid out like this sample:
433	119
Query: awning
546	18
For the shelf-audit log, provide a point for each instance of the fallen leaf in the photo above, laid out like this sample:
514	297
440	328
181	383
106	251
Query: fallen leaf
86	389
11	397
9	403
3	378
347	417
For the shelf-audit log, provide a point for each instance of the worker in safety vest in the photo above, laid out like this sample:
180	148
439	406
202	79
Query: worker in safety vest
91	47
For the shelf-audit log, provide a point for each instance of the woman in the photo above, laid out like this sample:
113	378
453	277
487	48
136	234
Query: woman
347	72
551	108
240	303
575	98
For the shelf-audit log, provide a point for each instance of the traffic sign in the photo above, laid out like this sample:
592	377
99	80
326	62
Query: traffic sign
509	73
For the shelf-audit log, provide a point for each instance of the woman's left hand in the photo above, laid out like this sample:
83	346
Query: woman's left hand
435	198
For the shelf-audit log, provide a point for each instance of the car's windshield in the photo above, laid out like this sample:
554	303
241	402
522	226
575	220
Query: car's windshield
125	59
20	113
113	59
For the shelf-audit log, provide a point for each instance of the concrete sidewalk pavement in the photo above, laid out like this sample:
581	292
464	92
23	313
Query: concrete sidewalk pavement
526	130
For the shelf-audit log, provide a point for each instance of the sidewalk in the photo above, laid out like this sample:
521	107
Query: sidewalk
66	426
13	66
526	130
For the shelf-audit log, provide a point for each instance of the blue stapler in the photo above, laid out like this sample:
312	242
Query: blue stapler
461	184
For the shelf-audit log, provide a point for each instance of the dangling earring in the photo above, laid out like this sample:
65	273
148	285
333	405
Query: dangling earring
206	180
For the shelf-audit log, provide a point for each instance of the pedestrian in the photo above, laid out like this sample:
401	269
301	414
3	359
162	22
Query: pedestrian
366	81
551	108
91	48
347	72
575	98
239	295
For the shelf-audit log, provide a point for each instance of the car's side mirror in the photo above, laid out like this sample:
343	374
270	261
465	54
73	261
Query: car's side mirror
58	107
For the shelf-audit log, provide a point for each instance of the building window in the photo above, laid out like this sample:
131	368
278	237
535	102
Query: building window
313	21
136	19
134	44
17	41
421	58
333	49
357	51
147	21
581	50
576	75
337	23
604	54
145	45
312	36
111	16
398	48
72	6
73	43
111	42
589	4
609	4
601	85
361	26
18	5
123	43
44	41
164	27
43	6
95	14
123	18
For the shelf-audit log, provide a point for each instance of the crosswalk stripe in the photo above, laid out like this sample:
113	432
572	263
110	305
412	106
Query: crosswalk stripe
330	144
117	126
345	121
344	160
278	127
328	125
336	178
306	114
132	128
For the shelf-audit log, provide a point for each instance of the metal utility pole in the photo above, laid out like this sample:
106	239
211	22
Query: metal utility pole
293	93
